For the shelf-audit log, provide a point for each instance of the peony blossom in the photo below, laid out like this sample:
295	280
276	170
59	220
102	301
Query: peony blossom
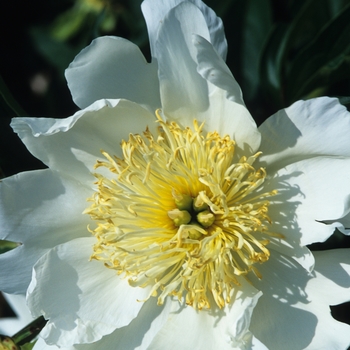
166	218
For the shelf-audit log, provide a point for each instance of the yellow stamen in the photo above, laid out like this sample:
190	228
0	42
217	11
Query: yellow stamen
182	214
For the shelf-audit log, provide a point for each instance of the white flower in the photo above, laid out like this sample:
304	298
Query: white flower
202	218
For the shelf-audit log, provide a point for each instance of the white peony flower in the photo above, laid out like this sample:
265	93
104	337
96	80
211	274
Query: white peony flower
195	230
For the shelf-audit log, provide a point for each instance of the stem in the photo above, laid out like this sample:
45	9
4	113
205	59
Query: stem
29	332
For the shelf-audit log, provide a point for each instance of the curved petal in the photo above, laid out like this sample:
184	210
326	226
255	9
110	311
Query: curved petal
136	335
73	317
317	127
154	14
41	345
227	113
38	209
215	329
333	274
184	93
214	69
344	221
293	312
139	333
312	196
113	68
74	150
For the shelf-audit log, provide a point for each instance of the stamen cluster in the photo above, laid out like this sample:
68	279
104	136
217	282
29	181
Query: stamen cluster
180	214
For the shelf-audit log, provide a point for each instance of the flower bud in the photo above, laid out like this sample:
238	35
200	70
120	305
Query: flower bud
206	218
180	217
199	204
182	201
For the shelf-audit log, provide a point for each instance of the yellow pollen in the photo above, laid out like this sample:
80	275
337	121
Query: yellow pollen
181	214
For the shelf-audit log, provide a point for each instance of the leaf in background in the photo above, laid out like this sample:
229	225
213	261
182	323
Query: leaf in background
58	53
8	105
345	101
6	246
257	24
286	42
324	61
28	346
286	39
270	66
69	23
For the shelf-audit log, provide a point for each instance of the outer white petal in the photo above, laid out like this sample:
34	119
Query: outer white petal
312	196
187	328
293	312
41	345
73	145
227	113
196	83
345	222
137	335
111	68
184	93
82	299
11	325
39	209
317	127
214	69
154	13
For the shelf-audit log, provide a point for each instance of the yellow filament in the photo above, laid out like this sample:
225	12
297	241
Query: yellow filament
139	209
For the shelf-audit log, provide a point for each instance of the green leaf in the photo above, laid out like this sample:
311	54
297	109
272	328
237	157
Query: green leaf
257	23
284	45
28	346
324	61
8	105
6	246
345	101
69	23
59	53
29	332
271	63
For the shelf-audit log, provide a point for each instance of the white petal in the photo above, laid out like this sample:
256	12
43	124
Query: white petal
39	209
214	69
73	145
317	127
344	222
111	68
333	274
11	325
184	93
149	329
82	299
137	335
154	13
227	328
312	196
227	113
41	345
293	312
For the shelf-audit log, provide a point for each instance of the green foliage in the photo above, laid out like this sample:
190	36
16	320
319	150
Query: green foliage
8	104
28	346
6	246
306	56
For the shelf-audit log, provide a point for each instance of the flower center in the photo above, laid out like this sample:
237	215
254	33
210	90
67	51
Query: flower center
180	213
